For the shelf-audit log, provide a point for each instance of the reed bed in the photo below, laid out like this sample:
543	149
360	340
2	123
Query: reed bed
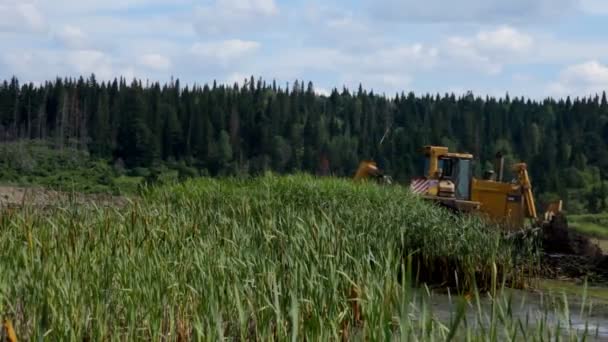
270	258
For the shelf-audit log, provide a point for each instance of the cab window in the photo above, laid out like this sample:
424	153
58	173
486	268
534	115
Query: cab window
447	167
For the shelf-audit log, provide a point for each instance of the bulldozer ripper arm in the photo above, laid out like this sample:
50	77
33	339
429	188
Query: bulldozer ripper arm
367	169
526	186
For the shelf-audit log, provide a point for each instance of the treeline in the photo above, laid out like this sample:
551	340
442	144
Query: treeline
258	126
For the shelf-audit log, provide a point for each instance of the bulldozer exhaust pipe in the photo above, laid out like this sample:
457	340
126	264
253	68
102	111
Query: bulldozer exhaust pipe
500	166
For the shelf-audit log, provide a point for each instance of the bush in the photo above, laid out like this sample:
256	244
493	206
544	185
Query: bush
140	172
186	172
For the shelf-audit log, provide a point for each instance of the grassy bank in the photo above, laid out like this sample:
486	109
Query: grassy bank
33	163
40	164
595	225
274	257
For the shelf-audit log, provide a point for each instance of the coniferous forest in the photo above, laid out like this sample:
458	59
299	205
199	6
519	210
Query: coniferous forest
221	130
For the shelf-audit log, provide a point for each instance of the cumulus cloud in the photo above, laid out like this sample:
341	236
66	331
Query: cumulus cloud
586	78
72	37
459	51
236	77
155	61
488	50
389	81
400	57
385	59
386	69
262	7
322	91
37	65
92	6
504	38
470	10
87	62
229	16
19	61
225	51
328	42
337	21
21	16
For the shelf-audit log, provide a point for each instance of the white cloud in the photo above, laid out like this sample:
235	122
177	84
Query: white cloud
402	56
87	62
225	51
328	42
587	78
391	81
504	38
236	77
461	53
470	10
521	77
488	50
128	73
380	83
224	16
322	91
389	69
589	73
387	59
72	37
19	61
263	7
155	62
92	6
34	64
21	16
338	27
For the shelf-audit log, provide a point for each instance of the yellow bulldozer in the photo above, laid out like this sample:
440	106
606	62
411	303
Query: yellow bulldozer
448	180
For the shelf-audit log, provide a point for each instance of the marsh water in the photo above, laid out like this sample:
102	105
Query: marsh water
574	314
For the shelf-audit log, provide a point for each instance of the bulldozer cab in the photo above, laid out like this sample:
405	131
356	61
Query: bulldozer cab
456	168
448	180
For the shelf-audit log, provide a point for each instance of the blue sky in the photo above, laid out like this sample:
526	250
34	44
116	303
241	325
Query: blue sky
534	48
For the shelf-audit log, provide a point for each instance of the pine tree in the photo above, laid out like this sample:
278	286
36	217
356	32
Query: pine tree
565	141
134	138
101	144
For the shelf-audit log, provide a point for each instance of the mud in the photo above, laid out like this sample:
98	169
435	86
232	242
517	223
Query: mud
568	254
559	239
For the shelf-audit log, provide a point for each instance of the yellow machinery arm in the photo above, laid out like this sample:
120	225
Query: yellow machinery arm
366	169
369	169
524	181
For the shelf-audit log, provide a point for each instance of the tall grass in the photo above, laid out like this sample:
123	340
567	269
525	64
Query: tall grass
269	258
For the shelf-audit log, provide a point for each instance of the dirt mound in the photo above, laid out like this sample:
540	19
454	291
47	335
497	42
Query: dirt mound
16	197
559	239
570	254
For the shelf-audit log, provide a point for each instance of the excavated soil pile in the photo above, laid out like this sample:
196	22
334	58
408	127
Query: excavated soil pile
571	255
17	197
559	239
